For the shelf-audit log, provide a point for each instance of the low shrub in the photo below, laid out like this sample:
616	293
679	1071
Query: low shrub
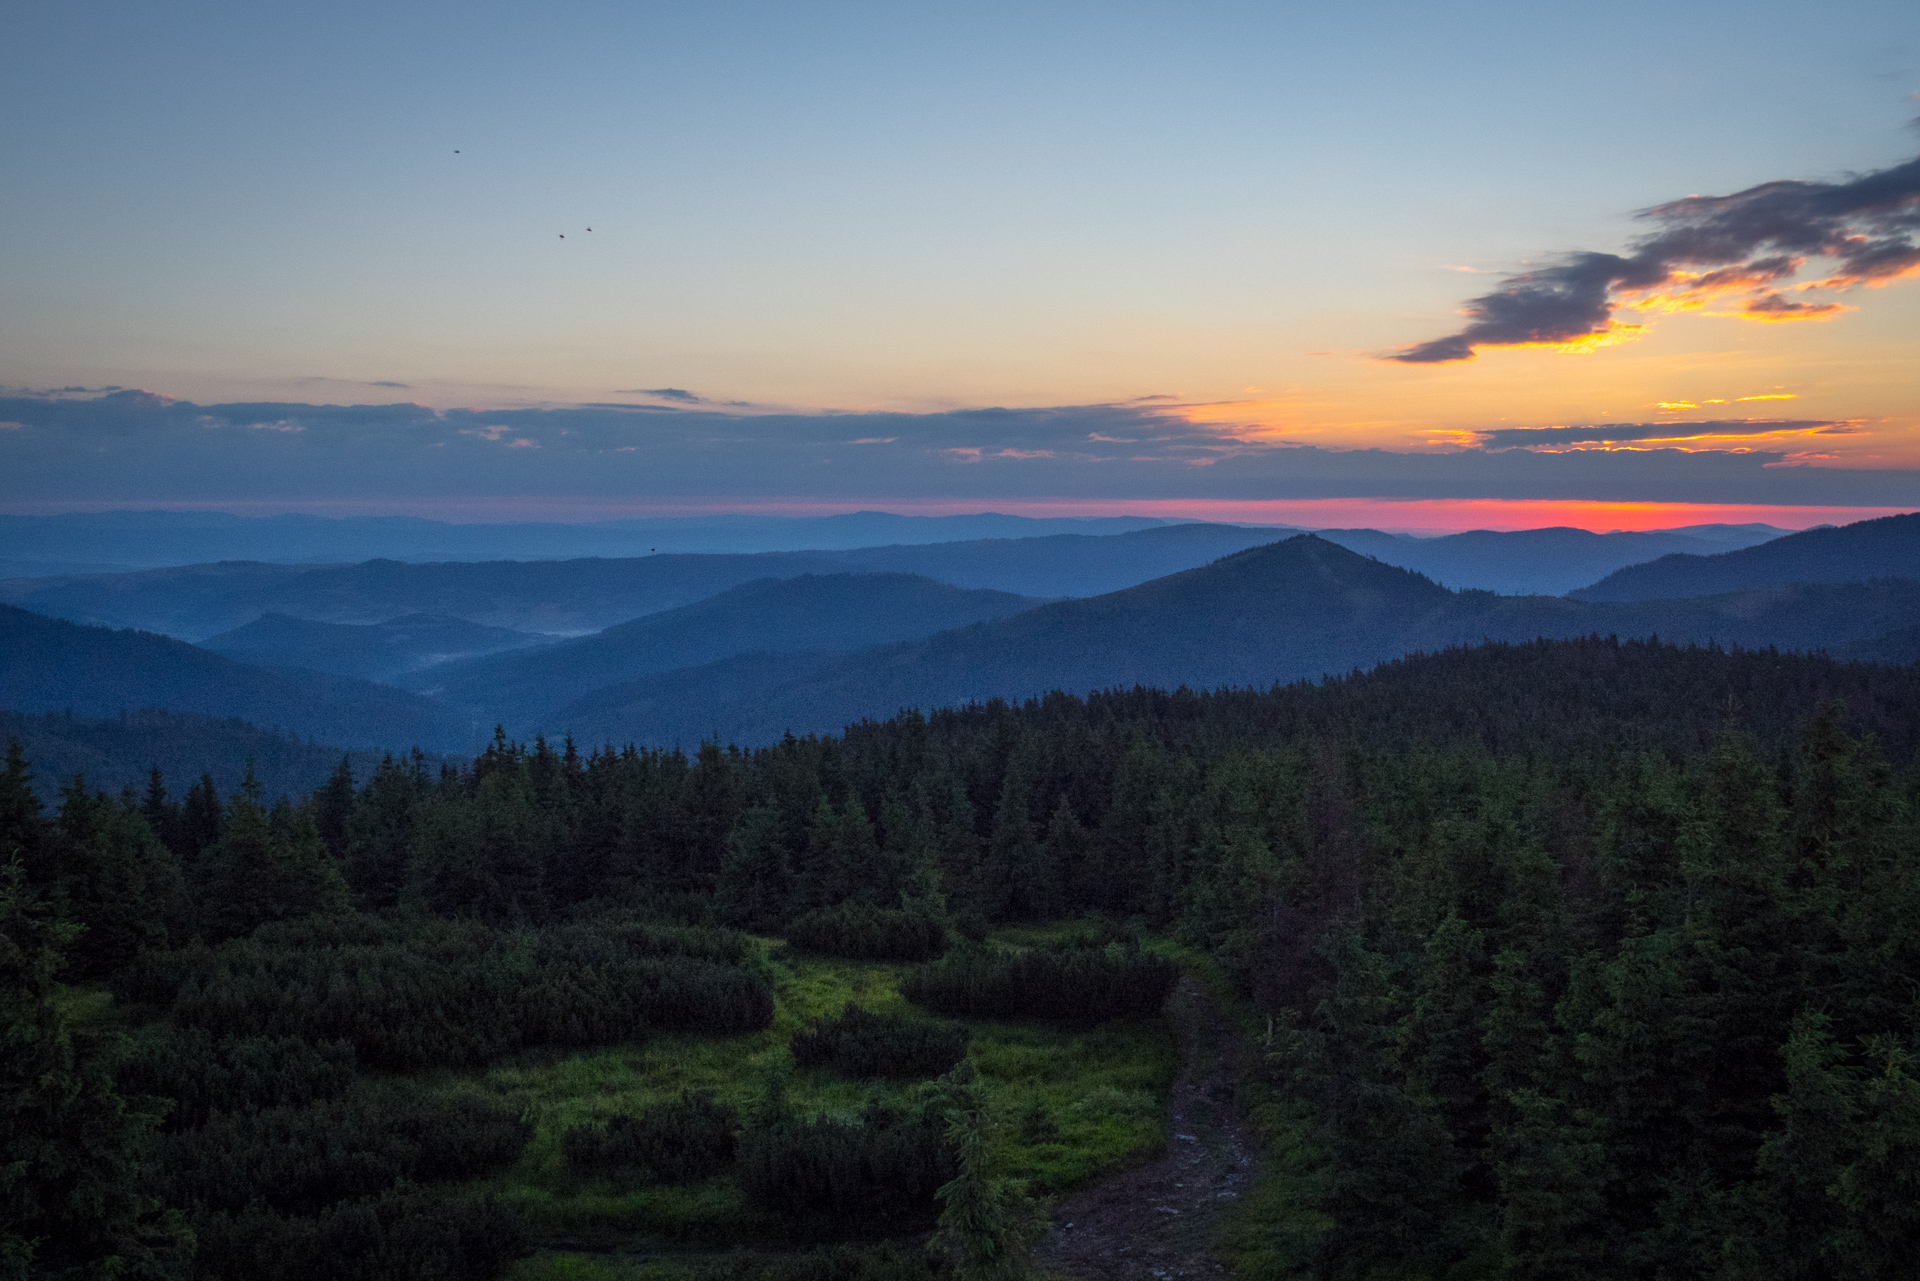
408	995
676	1142
405	1234
879	1170
867	933
859	1043
1077	983
203	1075
302	1160
885	1262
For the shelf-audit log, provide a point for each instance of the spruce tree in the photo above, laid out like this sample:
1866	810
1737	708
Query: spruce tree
69	1145
268	865
752	890
987	1222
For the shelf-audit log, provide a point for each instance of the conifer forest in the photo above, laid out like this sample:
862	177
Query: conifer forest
1573	959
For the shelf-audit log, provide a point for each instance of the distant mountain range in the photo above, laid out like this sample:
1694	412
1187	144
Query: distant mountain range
117	541
202	601
372	651
747	647
1293	610
1541	562
1885	548
195	602
48	665
118	751
835	612
1900	646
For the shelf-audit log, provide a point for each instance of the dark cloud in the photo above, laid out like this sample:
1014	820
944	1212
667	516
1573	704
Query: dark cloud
1625	433
1750	243
679	395
135	447
353	382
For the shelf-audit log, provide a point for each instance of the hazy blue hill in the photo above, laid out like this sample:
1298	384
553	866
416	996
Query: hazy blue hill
577	596
565	596
1899	646
812	612
1293	610
1884	548
373	651
1801	616
1065	564
718	700
1289	609
1547	562
117	751
189	601
65	543
47	664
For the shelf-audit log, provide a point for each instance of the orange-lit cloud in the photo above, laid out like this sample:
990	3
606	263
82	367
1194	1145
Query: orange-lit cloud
1776	306
136	449
1717	434
1747	246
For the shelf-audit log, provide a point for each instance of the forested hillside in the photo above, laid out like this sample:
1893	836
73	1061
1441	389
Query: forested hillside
1578	959
1292	610
1541	562
828	612
47	665
1884	548
119	751
371	651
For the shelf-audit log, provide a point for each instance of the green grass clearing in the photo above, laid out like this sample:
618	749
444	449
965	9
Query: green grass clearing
1077	1104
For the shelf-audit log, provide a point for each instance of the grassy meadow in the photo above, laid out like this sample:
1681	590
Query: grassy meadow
1074	1104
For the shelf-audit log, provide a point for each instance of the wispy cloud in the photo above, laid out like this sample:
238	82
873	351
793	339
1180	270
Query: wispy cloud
60	391
354	382
1720	430
679	395
1743	252
135	447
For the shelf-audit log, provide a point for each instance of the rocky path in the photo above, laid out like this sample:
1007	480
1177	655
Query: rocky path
1163	1220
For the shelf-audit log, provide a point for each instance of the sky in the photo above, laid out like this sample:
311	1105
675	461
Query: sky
1445	265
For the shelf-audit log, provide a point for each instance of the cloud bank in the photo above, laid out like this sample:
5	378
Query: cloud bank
1741	251
1725	429
134	447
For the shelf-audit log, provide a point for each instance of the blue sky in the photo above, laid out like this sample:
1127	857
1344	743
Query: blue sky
923	208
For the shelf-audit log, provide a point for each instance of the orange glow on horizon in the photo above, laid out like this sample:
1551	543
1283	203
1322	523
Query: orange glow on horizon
1423	515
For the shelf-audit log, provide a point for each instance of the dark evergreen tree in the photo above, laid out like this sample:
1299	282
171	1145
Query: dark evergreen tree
70	1147
268	865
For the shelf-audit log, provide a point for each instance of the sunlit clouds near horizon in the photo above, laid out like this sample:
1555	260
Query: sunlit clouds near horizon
986	254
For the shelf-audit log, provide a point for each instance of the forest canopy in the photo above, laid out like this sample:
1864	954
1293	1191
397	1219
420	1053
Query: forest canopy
1580	959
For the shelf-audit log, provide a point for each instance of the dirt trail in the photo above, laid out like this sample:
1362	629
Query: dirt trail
1163	1220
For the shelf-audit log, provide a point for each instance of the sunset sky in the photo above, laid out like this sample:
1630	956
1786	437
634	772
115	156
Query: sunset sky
1039	257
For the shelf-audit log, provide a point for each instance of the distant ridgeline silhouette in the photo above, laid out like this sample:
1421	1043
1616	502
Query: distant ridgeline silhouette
1884	548
1293	610
809	653
194	602
49	665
